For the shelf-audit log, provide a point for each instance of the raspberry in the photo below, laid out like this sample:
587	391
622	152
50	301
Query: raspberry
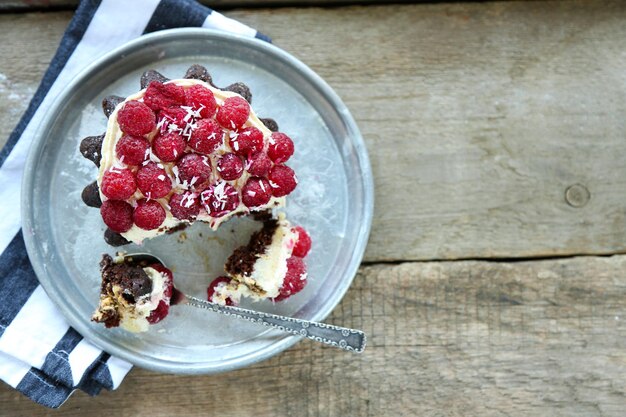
159	313
233	113
174	117
136	119
168	147
303	245
161	96
149	214
118	215
281	148
169	280
259	164
295	278
283	180
207	136
153	181
247	141
118	184
230	166
194	169
220	199
256	192
213	286
201	98
131	150
185	206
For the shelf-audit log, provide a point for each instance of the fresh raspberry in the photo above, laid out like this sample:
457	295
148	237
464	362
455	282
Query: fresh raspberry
153	181
256	192
283	180
295	278
118	215
149	214
220	199
168	147
161	96
194	169
136	119
233	113
118	184
259	164
213	286
280	148
185	206
303	245
230	166
174	117
159	313
206	137
201	98
131	150
247	141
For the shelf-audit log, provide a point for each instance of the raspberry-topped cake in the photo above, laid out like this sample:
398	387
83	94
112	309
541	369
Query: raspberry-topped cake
183	150
133	295
270	266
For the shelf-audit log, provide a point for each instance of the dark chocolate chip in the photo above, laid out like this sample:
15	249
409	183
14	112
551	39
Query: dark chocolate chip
114	238
91	196
241	89
91	148
152	75
109	103
198	72
270	124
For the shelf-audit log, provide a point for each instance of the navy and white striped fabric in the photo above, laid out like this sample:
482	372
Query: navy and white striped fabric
40	355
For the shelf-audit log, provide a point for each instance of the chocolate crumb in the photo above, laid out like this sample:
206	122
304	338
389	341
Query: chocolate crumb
91	196
177	228
109	103
241	262
152	75
114	238
241	89
270	124
91	148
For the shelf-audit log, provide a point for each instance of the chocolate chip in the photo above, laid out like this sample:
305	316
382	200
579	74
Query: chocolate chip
198	72
152	75
91	196
109	103
270	124
241	89
91	148
114	238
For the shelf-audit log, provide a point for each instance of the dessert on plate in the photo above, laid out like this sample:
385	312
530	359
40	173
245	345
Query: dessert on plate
180	151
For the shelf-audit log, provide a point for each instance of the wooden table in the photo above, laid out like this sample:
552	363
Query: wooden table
493	282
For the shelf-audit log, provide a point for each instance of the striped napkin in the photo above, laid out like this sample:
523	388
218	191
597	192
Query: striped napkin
40	355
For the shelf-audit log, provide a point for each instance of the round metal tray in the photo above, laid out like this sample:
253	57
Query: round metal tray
334	201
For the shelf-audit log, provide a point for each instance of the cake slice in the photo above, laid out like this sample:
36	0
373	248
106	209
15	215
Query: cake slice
133	295
184	150
270	266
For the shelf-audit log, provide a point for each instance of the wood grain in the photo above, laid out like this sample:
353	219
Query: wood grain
445	339
478	117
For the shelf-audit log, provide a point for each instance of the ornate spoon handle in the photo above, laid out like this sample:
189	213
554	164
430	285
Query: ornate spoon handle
341	337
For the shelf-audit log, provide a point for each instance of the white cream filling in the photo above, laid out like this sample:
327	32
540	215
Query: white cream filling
135	318
109	159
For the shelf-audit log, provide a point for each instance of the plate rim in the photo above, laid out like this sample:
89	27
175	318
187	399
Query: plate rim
163	365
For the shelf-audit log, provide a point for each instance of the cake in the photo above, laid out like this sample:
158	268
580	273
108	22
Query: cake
270	266
133	295
180	151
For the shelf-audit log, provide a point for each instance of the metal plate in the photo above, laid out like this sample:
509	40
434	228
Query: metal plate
334	201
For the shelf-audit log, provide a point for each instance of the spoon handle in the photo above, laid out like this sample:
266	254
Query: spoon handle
341	337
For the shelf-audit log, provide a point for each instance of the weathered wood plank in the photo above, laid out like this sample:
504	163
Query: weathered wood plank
445	338
478	117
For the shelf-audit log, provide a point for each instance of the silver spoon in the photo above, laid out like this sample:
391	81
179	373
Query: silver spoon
344	338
